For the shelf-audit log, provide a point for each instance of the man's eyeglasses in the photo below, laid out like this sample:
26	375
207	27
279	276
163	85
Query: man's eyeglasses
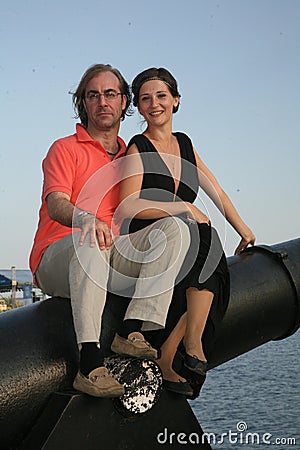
94	96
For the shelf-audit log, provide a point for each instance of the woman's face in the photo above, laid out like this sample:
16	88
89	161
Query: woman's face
156	102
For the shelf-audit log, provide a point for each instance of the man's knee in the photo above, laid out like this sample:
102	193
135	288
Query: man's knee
88	253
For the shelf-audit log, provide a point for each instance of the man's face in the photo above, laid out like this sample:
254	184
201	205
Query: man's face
104	114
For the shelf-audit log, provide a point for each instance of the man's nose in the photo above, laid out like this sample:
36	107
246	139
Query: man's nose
102	100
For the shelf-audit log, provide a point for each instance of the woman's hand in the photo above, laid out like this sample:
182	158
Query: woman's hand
245	241
194	213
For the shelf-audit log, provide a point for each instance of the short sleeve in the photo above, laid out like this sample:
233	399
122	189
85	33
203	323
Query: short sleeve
58	169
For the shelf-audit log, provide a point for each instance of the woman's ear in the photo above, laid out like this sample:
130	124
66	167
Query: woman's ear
176	104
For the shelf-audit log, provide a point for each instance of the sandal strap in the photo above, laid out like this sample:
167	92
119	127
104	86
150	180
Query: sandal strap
100	372
135	339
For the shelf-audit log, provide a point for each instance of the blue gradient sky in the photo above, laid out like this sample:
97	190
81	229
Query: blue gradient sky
238	67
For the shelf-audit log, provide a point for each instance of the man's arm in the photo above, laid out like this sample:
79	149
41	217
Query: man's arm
63	211
60	208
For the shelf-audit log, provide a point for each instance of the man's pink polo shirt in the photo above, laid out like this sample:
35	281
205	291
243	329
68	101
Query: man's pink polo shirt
80	167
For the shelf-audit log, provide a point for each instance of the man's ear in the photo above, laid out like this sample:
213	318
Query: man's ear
124	101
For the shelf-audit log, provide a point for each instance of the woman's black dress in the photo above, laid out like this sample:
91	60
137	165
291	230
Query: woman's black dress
205	266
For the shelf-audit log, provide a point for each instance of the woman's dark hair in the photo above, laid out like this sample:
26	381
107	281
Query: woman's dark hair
155	74
79	95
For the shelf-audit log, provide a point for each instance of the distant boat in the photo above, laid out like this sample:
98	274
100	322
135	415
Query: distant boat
5	283
22	275
26	291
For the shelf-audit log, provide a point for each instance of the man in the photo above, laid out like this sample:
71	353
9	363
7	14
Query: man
75	252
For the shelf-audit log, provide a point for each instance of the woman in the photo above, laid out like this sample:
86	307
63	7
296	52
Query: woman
161	179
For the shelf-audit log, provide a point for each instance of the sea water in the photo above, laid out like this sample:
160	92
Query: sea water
252	402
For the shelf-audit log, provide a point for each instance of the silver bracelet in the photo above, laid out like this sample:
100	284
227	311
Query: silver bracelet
80	216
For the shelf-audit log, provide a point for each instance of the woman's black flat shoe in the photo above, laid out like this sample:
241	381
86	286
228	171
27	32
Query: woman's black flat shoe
192	362
179	387
195	365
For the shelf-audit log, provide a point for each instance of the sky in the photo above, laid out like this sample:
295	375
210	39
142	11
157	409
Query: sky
237	63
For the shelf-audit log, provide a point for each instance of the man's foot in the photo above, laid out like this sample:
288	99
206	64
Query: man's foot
135	345
99	383
91	357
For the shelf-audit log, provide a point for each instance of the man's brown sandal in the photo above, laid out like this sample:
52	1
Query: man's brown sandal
99	383
135	345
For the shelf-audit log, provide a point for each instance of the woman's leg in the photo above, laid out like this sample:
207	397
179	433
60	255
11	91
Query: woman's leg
198	307
168	350
190	327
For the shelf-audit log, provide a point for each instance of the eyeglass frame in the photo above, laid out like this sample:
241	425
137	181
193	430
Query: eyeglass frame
106	95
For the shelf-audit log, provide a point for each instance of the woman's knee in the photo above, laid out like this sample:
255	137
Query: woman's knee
176	230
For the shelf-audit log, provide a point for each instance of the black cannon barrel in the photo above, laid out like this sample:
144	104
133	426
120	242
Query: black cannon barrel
264	299
38	352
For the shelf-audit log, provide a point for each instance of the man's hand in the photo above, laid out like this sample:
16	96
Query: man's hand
63	211
97	229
